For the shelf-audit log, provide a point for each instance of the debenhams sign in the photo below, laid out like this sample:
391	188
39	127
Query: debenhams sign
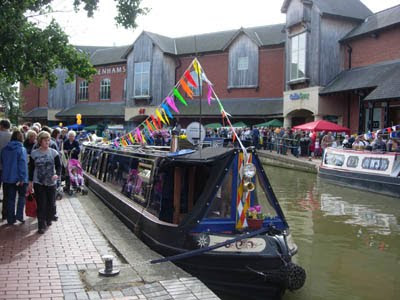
111	70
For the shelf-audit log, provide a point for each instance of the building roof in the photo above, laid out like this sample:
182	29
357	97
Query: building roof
108	56
95	109
384	78
375	22
268	35
236	107
354	9
36	113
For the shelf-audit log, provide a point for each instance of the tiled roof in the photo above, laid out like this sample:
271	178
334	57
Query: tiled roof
354	9
38	113
216	41
108	56
380	20
384	78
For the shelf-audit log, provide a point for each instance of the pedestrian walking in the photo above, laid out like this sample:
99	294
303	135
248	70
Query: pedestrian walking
15	176
44	171
5	136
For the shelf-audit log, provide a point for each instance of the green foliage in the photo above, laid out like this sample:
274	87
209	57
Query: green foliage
10	101
30	53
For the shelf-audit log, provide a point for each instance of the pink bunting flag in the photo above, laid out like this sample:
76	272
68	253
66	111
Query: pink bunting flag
209	94
171	103
139	135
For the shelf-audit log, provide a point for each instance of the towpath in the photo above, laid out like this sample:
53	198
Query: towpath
63	262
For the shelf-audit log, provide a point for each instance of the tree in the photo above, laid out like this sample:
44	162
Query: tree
10	101
30	53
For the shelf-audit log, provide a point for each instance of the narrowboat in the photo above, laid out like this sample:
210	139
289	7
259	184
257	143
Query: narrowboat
377	172
190	206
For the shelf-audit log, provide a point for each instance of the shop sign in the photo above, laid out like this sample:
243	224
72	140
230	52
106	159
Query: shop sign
299	96
111	70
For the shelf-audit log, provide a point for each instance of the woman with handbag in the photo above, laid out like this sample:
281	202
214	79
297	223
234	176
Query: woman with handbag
15	176
44	170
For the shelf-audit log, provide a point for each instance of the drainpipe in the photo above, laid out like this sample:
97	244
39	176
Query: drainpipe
349	51
177	67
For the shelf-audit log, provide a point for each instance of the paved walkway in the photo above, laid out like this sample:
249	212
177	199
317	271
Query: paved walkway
63	263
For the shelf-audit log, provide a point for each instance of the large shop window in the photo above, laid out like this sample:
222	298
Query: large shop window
83	91
142	79
298	57
105	89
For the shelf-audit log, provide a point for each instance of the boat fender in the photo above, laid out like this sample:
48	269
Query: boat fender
295	276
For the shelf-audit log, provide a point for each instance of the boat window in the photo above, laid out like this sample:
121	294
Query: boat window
85	159
374	163
221	205
95	163
259	197
352	162
334	159
176	190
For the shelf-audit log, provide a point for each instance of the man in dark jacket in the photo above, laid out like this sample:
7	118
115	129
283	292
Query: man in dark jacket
15	176
5	135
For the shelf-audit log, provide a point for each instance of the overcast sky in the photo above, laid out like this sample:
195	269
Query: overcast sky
175	18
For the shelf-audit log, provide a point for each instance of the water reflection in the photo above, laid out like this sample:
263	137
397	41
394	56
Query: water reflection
349	240
362	215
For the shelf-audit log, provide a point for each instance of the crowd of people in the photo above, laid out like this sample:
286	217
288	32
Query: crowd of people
31	160
306	143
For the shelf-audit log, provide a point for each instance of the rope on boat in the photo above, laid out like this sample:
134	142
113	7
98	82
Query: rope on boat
210	248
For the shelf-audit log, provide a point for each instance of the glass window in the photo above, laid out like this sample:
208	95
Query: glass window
105	89
124	92
142	79
298	57
334	159
196	91
259	197
352	162
83	91
373	163
243	63
221	205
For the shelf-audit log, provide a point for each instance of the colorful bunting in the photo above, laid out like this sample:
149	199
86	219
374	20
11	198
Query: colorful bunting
167	111
154	122
163	112
179	96
209	94
186	88
190	79
171	103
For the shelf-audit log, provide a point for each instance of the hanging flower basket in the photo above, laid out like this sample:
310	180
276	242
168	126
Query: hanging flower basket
254	224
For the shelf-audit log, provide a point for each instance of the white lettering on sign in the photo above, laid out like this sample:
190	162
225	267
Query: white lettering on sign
111	70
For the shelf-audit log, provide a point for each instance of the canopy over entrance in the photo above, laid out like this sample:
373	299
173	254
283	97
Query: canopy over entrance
322	125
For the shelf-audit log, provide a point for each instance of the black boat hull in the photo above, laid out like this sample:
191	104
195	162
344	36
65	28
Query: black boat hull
385	185
254	277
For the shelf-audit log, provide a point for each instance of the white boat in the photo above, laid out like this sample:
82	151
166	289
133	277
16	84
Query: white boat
378	172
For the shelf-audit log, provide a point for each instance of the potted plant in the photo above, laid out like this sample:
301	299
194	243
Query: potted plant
255	217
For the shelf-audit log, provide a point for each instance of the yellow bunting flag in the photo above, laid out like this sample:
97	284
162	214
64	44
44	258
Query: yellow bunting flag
197	67
165	115
160	116
186	88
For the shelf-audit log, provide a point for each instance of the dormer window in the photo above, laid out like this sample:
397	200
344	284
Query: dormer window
243	63
298	57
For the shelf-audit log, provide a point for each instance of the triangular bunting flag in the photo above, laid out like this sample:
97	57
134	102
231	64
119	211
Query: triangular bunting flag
186	88
190	79
171	103
179	96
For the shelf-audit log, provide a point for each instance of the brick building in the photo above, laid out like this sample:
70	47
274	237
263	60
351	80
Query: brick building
333	60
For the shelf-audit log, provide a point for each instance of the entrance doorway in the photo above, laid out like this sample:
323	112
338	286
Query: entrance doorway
301	116
394	115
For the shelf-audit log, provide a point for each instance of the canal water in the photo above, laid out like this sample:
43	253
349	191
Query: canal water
349	240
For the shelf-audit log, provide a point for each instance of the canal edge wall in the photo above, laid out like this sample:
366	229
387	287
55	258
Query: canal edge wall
287	162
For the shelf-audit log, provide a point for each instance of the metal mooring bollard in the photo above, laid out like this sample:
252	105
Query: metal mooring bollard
108	266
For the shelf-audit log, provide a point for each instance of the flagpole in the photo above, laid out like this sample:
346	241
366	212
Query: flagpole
200	91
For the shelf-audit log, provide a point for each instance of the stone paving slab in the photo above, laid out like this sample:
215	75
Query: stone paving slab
55	265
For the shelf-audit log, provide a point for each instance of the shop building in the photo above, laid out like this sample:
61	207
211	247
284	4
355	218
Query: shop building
332	60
